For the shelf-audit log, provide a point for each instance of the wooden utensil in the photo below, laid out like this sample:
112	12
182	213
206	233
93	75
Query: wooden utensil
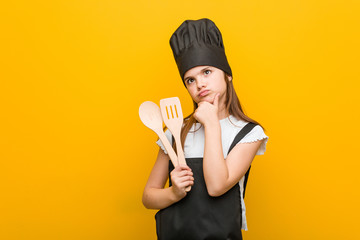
150	115
173	118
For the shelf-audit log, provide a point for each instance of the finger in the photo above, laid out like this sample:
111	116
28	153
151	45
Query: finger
195	114
183	184
182	167
183	174
216	100
185	167
189	183
186	178
176	175
185	181
201	103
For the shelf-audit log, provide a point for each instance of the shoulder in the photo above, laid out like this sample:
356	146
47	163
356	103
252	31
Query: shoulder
256	134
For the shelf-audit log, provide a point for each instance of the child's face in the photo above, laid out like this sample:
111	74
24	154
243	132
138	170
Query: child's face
203	82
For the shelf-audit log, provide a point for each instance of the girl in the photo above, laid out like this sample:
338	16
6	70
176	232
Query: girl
219	141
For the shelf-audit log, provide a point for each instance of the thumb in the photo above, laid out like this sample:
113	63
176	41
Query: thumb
216	100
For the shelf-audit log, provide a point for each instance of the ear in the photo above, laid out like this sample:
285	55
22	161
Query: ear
229	78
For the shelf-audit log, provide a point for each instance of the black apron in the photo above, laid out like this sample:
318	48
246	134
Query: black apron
198	216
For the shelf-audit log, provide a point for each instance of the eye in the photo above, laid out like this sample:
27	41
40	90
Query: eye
207	72
189	81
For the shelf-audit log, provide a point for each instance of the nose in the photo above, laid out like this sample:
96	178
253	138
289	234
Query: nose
200	83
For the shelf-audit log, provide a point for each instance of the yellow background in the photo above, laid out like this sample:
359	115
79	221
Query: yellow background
74	155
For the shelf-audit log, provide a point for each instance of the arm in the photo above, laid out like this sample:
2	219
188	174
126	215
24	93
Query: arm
155	196
221	175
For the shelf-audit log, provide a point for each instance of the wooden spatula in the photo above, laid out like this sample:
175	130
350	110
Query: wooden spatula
150	115
173	118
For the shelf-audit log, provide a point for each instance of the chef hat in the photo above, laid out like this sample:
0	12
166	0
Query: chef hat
196	43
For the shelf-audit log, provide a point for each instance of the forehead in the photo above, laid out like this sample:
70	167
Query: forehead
195	70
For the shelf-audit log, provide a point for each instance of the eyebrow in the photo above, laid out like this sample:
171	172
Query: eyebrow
200	71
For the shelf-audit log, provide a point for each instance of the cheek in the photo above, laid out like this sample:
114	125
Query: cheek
194	97
190	89
191	93
223	85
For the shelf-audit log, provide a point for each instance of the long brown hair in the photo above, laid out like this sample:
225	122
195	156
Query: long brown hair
233	107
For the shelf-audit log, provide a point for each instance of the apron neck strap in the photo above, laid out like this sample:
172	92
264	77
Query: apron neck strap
245	130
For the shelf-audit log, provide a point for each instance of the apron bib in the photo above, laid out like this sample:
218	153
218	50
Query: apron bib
198	216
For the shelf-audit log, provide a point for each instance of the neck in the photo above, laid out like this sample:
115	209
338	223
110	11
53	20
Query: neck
222	113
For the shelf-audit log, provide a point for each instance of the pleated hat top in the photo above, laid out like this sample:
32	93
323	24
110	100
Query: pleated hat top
197	43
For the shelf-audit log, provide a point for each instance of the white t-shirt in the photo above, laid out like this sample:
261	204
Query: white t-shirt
195	142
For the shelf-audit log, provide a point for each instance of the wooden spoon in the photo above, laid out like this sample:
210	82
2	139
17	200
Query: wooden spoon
150	115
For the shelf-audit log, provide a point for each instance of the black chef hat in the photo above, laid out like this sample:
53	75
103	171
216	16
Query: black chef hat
196	43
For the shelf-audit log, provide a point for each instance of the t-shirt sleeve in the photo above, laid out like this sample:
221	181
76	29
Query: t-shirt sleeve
257	133
169	137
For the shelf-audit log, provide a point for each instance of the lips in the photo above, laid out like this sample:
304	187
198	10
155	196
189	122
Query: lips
203	93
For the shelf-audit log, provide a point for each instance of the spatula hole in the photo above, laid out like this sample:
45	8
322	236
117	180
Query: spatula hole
167	112
177	116
172	114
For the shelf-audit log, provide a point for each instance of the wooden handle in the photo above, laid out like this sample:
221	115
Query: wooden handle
181	157
180	152
169	149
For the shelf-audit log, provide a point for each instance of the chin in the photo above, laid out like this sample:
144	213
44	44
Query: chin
206	99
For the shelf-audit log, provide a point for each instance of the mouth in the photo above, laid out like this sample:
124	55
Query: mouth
203	93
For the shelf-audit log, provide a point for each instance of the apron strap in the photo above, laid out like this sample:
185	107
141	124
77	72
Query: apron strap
245	130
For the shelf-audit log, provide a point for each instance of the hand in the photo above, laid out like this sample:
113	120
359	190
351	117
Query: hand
181	177
207	112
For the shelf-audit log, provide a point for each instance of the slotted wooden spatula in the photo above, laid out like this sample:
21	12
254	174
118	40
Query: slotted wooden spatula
150	115
173	118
